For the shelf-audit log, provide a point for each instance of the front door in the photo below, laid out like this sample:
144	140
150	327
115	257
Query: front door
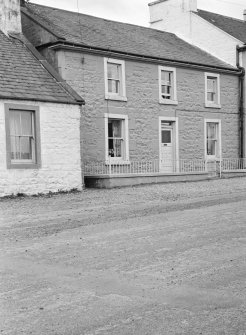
167	148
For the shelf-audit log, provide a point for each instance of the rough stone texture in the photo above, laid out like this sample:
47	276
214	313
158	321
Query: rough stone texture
60	152
85	73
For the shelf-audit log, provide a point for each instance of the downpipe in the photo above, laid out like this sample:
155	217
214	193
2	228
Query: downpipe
241	102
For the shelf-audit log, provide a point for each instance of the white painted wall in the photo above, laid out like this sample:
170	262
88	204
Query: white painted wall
60	152
178	17
10	18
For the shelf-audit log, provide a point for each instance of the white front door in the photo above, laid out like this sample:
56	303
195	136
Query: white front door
167	148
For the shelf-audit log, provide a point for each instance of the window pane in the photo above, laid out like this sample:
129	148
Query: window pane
113	86
115	147
15	147
113	71
166	136
166	77
25	148
116	128
26	123
15	122
211	130
211	147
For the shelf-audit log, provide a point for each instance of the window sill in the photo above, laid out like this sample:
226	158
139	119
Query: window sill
168	102
211	105
23	166
117	162
115	97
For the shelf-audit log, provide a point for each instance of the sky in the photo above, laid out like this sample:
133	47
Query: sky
136	11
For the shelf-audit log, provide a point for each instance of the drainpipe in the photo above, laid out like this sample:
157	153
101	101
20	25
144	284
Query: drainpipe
241	102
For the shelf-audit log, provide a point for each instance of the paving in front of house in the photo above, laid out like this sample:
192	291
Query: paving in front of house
161	259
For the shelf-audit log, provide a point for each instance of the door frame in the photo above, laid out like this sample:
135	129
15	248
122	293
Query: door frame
175	137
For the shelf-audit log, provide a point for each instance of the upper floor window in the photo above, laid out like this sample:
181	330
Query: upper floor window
114	73
22	136
212	90
167	85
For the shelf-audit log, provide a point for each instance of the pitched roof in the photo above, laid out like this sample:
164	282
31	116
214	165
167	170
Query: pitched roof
232	26
23	76
116	36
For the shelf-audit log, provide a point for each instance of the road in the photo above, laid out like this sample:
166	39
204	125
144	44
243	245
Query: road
156	260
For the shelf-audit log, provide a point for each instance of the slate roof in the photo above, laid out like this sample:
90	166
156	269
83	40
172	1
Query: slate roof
234	27
116	36
23	76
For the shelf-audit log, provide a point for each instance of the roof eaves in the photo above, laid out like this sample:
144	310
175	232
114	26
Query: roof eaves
59	80
66	44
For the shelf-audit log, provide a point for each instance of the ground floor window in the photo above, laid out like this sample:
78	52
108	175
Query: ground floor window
22	136
116	137
213	139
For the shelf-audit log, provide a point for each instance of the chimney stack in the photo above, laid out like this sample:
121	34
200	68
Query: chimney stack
10	17
244	15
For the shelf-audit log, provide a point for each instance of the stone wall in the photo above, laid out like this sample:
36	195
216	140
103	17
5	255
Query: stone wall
85	73
60	152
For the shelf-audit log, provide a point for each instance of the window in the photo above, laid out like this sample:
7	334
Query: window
213	139
22	136
116	138
167	85
114	72
212	90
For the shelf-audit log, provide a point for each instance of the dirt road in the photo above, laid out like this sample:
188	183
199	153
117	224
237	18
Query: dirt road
163	259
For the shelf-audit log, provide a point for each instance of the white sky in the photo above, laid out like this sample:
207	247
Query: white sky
136	11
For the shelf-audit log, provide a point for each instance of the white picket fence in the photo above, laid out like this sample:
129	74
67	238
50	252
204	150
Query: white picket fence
144	167
168	167
233	164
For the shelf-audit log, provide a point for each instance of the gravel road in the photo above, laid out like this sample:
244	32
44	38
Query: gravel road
162	259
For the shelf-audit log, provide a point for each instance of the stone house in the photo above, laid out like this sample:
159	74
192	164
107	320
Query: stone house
39	117
221	36
150	96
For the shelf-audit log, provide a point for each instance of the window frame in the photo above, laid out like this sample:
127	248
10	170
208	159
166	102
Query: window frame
211	104
218	156
125	135
122	94
22	164
173	100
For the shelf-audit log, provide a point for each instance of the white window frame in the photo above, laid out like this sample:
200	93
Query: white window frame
122	94
208	103
174	100
217	157
125	133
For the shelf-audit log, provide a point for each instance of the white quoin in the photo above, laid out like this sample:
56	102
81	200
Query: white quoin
172	16
10	17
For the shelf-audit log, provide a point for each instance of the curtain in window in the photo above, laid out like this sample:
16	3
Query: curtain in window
21	135
115	139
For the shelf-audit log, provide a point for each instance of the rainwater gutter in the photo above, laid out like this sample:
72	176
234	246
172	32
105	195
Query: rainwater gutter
241	101
132	56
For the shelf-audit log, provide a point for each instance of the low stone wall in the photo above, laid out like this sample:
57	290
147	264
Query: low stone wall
133	180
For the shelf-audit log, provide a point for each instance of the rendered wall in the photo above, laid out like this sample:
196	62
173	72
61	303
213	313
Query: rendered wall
60	152
85	73
172	16
10	19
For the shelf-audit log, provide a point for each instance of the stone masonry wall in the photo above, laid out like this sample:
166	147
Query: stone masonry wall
60	152
85	73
